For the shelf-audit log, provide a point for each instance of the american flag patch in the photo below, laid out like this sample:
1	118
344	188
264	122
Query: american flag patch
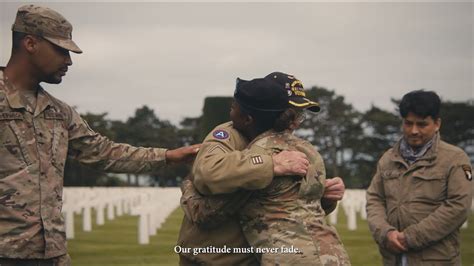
257	159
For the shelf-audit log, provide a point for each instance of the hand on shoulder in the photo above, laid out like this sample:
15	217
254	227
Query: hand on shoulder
182	155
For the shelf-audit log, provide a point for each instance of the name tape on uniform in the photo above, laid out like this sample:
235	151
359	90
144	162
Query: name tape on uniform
11	116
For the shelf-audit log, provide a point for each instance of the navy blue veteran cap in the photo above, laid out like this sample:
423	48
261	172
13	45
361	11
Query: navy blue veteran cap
261	95
294	89
274	93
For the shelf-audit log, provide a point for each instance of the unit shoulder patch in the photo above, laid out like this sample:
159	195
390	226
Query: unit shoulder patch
220	134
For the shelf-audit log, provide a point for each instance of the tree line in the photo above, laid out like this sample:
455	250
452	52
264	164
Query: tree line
350	141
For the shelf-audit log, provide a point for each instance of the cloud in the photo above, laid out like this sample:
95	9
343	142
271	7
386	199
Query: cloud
170	56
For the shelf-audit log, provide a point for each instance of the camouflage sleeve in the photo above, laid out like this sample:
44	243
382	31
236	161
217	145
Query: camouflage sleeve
327	205
312	185
94	150
208	212
316	171
376	210
451	214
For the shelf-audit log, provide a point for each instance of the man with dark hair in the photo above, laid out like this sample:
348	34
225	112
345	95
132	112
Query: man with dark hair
16	40
421	192
38	132
422	103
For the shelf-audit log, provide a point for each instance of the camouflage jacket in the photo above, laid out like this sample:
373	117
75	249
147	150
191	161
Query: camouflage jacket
285	222
33	149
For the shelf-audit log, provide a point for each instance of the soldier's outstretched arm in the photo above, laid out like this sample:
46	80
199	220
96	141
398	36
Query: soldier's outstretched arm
97	151
182	155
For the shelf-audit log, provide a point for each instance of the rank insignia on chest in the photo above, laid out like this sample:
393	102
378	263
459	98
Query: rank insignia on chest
467	171
220	134
257	160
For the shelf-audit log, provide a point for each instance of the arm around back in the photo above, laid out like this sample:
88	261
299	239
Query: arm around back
222	167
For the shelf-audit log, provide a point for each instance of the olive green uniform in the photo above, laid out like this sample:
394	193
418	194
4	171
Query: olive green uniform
34	143
428	201
220	167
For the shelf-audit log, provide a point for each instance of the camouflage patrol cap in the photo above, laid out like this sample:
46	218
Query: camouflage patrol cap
47	23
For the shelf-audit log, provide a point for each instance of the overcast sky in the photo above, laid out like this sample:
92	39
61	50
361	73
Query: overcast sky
170	56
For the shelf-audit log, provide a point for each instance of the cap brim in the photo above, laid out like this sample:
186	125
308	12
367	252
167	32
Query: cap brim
67	44
305	103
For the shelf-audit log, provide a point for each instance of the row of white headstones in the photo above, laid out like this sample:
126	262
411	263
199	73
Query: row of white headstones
151	205
154	205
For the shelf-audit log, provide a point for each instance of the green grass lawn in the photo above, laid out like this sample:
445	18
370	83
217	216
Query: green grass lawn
116	243
363	250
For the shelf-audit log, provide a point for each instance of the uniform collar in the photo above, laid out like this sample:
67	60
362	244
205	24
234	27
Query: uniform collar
261	136
43	101
14	99
18	101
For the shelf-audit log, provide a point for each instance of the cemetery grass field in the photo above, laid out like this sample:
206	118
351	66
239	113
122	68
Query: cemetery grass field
115	243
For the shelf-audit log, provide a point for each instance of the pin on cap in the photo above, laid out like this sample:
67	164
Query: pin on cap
296	94
274	93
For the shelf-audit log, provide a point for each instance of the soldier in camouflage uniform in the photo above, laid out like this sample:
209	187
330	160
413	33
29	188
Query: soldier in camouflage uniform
212	220
38	131
313	233
288	213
